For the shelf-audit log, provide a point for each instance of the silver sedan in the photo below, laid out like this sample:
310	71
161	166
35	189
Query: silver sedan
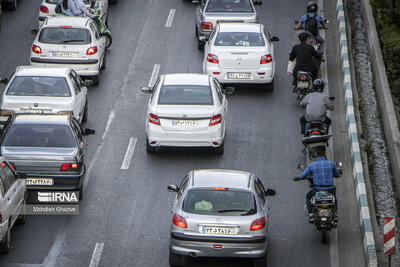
219	213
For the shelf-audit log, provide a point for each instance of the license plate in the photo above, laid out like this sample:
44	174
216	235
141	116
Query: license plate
302	85
183	123
218	230
244	76
324	212
63	54
39	181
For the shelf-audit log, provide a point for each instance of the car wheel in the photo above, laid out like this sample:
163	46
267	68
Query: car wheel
85	113
80	192
175	260
5	244
108	40
112	2
261	262
196	30
103	64
270	86
95	79
219	150
200	45
21	219
12	4
149	148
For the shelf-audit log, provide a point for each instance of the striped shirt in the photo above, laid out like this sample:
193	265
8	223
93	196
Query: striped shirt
323	172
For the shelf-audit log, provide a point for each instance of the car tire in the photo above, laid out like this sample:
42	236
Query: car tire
175	260
261	262
5	244
21	219
12	4
149	148
85	113
219	150
103	64
95	79
109	40
196	31
80	190
270	86
200	45
112	2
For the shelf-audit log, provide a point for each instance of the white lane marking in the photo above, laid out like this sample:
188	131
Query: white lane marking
170	18
51	258
98	249
129	154
154	74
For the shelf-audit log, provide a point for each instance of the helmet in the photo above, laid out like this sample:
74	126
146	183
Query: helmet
318	85
312	7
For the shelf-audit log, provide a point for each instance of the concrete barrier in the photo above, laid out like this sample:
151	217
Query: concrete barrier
358	175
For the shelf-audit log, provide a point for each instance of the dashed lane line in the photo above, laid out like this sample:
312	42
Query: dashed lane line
129	154
98	249
170	18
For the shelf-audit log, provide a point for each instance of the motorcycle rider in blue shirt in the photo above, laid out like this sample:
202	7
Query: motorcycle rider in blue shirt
312	9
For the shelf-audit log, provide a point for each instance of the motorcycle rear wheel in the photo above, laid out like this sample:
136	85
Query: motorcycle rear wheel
324	235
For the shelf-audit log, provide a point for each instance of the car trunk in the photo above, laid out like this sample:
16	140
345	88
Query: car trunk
36	104
67	51
184	118
231	57
216	17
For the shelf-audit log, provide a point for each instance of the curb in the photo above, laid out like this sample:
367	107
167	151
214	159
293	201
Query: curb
358	174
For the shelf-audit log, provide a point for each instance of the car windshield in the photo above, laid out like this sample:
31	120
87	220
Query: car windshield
39	86
221	202
64	35
39	135
239	39
185	95
229	6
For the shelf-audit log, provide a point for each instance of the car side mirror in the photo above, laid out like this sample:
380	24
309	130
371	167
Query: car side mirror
3	80
339	167
146	89
21	175
274	39
257	3
228	90
34	31
331	98
89	131
270	192
88	82
173	188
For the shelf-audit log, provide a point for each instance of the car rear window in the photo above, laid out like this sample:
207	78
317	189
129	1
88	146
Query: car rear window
221	202
229	6
239	39
185	95
60	35
39	135
39	86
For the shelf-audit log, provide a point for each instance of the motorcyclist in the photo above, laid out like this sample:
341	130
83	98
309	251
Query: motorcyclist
312	21
316	105
323	172
75	8
304	54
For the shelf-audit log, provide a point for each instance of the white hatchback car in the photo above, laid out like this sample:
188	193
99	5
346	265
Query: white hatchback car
48	9
45	90
73	42
186	110
240	53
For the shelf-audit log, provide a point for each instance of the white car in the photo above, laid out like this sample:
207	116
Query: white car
186	110
48	9
45	90
240	53
73	42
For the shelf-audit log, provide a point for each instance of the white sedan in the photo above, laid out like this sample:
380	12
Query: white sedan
240	53
73	42
45	90
186	110
48	9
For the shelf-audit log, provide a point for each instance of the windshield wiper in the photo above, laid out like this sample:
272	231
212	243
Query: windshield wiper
72	41
232	210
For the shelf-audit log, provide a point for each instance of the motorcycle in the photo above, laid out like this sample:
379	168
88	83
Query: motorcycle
324	208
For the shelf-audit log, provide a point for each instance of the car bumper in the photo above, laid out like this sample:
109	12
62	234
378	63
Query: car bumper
84	67
212	137
201	246
60	182
258	76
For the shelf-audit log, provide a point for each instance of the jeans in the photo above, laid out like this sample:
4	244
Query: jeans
312	193
303	123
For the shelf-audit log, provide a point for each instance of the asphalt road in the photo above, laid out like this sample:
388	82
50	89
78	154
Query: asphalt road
125	215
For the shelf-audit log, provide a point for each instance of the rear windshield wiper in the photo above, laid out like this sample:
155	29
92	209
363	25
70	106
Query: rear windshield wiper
73	41
232	210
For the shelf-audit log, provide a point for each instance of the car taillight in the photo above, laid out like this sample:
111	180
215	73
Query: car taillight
258	224
179	221
44	9
1	218
69	166
154	119
12	165
215	119
206	26
36	49
212	58
91	50
303	78
266	59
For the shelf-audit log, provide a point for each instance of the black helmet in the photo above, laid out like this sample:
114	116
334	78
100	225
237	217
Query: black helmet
318	85
312	7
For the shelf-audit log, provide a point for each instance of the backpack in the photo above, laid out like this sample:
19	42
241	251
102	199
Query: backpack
311	25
